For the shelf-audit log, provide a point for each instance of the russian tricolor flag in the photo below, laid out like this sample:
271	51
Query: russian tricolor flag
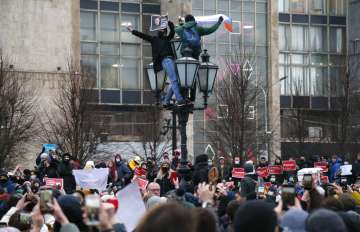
213	19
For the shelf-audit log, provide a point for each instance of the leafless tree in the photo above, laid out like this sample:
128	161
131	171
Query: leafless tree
74	123
152	137
236	93
17	119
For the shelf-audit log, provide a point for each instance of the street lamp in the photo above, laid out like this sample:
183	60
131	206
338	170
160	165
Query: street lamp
157	80
206	75
265	93
188	69
175	44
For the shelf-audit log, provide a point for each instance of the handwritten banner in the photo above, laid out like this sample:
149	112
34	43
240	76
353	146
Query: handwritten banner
262	172
238	173
289	165
275	169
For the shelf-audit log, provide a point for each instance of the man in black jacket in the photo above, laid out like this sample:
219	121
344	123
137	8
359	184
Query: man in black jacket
163	58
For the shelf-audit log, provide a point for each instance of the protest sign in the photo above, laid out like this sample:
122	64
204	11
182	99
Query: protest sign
322	165
142	183
158	22
49	147
57	183
289	165
346	170
131	206
238	173
92	179
275	169
262	172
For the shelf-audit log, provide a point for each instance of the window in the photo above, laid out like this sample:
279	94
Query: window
251	113
88	25
299	38
318	6
299	82
337	36
109	71
283	6
285	84
130	73
318	39
89	66
126	20
298	6
337	7
318	81
261	32
336	84
315	132
284	37
109	27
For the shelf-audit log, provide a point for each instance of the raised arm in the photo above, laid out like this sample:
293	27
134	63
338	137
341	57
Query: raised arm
209	30
139	34
172	30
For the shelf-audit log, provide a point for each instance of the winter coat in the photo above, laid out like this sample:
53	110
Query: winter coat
248	186
224	172
165	184
201	30
356	169
334	169
160	45
201	169
65	171
8	186
123	172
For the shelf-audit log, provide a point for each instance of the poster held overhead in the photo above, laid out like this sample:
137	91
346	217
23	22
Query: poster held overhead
158	22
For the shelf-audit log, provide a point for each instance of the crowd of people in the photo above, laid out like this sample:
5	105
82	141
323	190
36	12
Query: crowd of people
220	202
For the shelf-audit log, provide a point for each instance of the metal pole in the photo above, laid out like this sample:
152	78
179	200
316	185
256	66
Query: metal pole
183	170
266	123
174	127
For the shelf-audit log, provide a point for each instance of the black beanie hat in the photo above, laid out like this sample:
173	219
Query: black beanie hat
189	18
255	216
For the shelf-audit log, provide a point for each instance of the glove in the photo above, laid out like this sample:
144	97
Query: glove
221	19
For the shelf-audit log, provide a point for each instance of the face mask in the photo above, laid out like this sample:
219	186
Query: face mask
164	169
118	160
33	177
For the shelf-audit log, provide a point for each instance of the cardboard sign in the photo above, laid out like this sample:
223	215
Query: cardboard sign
142	183
213	175
289	165
267	184
262	172
57	183
158	22
346	170
325	179
275	169
238	173
322	165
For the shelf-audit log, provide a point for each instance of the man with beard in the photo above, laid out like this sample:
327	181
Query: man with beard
65	172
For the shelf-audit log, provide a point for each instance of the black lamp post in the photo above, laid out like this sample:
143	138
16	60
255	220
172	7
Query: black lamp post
188	70
157	80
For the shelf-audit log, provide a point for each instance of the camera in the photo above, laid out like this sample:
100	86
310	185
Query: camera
307	182
45	198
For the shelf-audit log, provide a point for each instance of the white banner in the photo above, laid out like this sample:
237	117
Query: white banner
131	206
92	179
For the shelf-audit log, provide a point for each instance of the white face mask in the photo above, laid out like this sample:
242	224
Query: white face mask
33	177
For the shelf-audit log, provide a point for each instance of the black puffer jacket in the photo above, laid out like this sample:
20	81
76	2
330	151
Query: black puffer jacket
161	45
201	169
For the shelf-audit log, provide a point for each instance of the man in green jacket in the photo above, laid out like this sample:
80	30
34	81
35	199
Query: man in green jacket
190	34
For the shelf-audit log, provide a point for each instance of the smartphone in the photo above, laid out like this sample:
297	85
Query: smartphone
307	181
25	218
288	196
92	205
45	198
261	189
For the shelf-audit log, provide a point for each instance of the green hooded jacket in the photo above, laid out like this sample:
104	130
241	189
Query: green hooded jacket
201	30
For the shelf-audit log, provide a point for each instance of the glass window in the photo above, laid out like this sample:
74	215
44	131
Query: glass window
299	38
318	6
109	27
197	4
284	58
261	32
283	6
210	5
89	66
319	60
130	50
261	8
299	59
285	84
284	37
336	85
109	71
130	74
337	36
248	28
88	22
88	48
337	60
249	7
299	83
318	39
223	5
128	19
337	7
110	49
235	6
222	35
318	81
298	6
211	49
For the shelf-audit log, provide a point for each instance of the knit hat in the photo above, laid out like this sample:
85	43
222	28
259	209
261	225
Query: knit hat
325	220
294	220
114	202
255	216
249	168
44	156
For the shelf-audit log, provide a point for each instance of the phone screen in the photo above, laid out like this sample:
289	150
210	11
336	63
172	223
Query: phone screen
260	189
45	198
307	178
288	189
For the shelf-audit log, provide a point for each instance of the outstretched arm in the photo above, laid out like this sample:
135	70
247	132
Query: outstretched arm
140	34
209	30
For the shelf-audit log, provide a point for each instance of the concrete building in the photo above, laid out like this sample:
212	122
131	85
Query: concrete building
303	40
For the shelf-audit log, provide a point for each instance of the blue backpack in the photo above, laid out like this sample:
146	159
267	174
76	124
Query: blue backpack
191	37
